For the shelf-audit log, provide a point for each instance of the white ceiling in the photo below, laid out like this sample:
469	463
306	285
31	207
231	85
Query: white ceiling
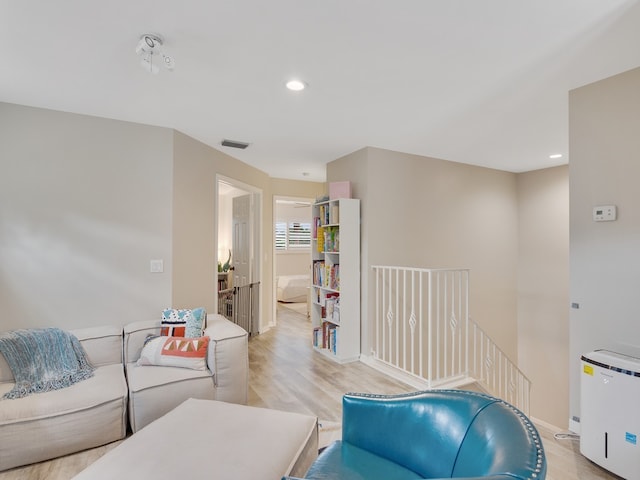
483	82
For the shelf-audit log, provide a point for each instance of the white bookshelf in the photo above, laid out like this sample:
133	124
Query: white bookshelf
337	230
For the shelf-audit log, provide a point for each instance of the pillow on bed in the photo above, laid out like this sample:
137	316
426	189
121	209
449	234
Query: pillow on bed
175	352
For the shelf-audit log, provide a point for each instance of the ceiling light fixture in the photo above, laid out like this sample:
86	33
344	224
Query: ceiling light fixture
296	85
556	155
149	49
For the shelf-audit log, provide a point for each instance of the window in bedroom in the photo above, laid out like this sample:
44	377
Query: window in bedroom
293	236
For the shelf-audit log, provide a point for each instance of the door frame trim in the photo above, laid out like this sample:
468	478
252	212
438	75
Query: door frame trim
256	231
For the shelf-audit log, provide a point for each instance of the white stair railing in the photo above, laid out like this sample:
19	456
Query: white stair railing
423	330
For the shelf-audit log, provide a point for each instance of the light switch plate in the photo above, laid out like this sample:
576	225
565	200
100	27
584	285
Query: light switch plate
156	266
605	213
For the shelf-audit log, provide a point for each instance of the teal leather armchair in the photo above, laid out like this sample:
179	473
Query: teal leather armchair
435	434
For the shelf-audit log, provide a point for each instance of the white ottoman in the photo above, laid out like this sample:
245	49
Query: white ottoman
210	439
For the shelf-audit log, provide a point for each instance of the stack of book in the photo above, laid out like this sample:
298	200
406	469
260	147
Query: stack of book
320	238
324	214
332	308
331	239
326	275
326	336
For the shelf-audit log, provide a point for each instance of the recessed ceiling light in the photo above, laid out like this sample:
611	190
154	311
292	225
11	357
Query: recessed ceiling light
556	155
296	85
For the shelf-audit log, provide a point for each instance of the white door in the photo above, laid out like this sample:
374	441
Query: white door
242	238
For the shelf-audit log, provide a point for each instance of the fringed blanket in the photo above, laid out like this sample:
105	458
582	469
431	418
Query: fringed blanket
43	359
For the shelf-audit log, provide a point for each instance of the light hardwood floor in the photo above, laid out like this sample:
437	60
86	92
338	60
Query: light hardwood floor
286	374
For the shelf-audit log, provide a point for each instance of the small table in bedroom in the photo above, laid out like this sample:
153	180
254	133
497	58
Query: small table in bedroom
210	439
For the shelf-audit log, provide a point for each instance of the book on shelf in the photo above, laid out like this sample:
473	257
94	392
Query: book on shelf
332	339
324	214
330	298
318	272
320	238
316	224
335	214
326	275
326	337
336	313
332	239
333	309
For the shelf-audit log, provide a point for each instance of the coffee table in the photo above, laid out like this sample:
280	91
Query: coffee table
210	439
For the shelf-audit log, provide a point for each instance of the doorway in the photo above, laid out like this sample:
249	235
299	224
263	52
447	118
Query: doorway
292	252
238	252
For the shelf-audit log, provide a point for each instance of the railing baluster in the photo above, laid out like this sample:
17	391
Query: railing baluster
466	319
377	314
444	334
413	321
430	329
420	323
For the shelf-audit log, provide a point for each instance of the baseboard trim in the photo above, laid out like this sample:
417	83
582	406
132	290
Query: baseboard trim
413	380
548	426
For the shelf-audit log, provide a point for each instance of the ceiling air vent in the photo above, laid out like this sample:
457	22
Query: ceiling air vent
234	144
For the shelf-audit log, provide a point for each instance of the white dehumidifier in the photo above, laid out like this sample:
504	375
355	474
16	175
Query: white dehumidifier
610	412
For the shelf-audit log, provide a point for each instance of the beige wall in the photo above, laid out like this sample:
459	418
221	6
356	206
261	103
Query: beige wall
543	290
85	204
296	188
604	121
429	213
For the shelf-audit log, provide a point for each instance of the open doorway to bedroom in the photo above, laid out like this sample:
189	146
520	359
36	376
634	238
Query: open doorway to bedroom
292	252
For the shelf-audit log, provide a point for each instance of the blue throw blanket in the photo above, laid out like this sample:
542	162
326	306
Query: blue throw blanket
43	359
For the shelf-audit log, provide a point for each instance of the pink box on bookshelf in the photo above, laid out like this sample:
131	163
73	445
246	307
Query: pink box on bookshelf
339	190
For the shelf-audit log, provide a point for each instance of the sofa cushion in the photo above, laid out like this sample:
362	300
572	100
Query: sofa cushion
154	391
103	345
56	423
348	462
143	377
108	383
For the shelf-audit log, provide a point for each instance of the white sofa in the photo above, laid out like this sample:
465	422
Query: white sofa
85	415
154	391
93	412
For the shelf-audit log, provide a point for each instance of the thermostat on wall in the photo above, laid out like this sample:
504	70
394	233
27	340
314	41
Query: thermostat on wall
605	213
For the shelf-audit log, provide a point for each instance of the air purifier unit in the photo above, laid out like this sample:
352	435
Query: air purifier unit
610	412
